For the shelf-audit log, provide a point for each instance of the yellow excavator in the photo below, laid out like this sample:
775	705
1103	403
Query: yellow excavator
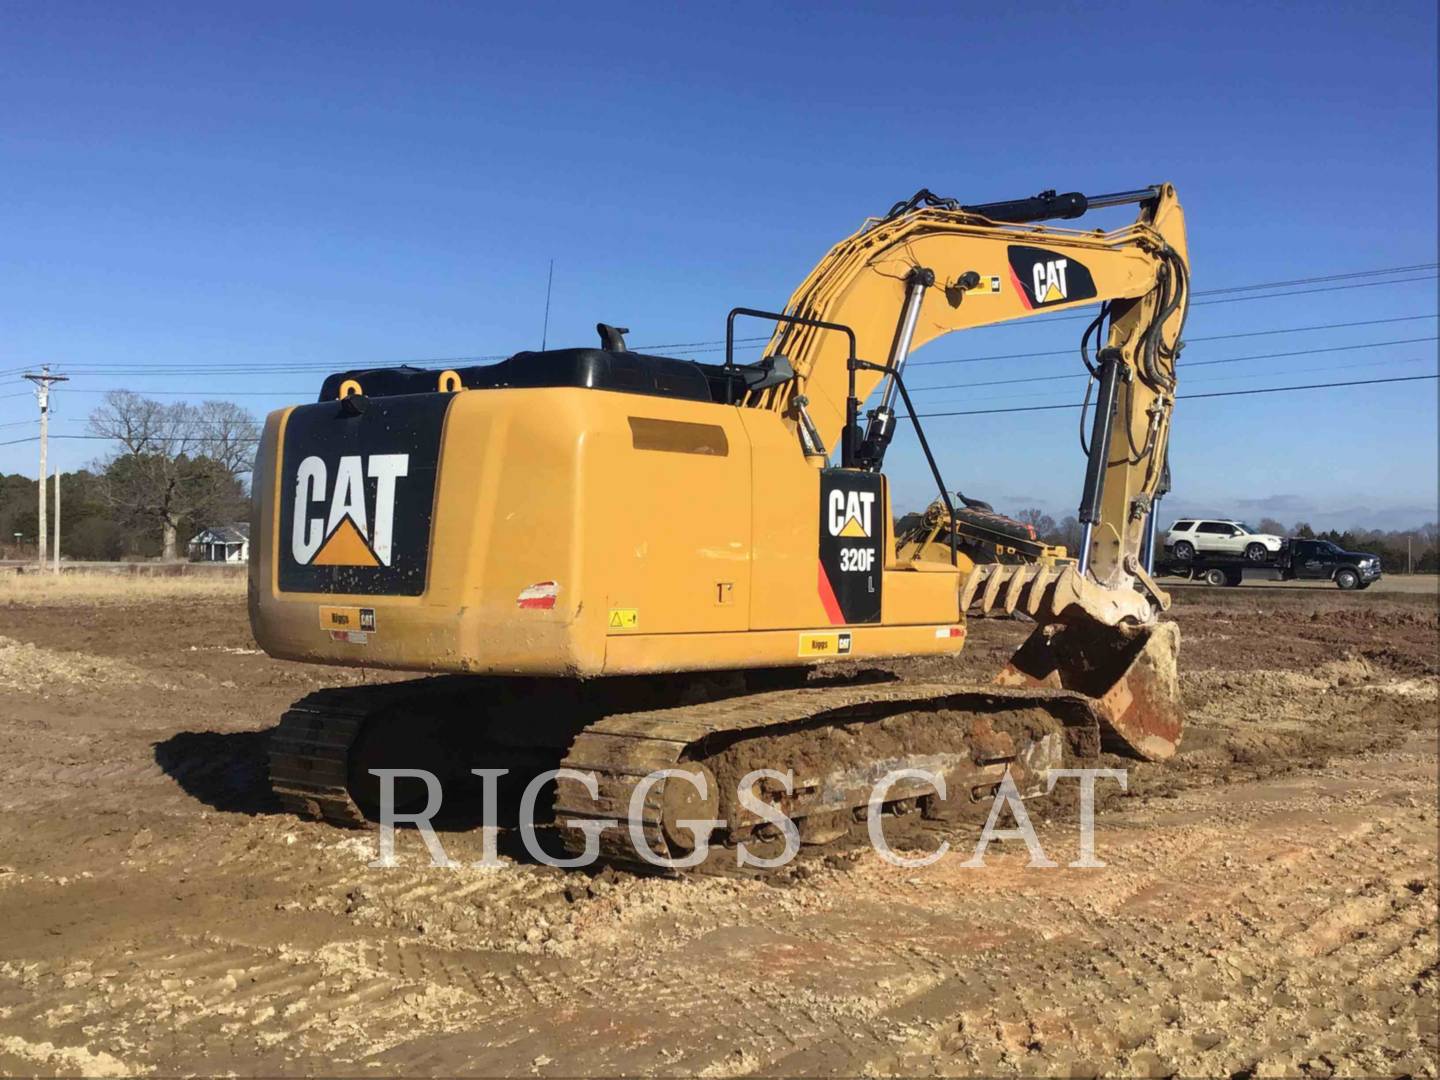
633	562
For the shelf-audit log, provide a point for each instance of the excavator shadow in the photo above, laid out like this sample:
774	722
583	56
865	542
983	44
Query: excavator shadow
225	770
228	771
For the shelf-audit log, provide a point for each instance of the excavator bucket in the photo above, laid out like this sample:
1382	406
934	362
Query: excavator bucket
1100	642
1130	671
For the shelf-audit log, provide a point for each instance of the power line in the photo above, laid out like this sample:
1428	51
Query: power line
193	368
1188	341
1182	363
1316	280
1389	363
109	438
1306	352
942	386
965	412
1086	315
1182	397
715	345
1310	386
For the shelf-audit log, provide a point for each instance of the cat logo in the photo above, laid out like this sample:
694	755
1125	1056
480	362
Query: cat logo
356	527
851	512
1049	281
1042	278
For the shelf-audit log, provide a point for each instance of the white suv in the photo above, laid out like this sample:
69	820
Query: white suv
1214	537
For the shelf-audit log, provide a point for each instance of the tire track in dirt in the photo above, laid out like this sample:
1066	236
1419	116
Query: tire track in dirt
1281	923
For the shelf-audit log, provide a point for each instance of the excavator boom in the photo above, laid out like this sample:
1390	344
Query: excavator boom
938	267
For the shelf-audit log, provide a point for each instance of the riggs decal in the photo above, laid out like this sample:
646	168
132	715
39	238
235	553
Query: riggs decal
852	533
345	536
1044	278
356	495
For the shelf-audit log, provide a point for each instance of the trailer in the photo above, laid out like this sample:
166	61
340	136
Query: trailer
1298	559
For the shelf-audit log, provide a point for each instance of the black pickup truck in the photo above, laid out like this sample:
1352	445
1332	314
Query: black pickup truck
1297	560
1320	559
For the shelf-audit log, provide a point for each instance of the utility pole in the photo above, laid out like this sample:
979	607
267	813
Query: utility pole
43	382
57	521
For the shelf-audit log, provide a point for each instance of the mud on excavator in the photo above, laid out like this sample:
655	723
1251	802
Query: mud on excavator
622	562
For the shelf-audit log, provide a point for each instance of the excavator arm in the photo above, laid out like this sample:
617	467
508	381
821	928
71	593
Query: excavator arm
932	266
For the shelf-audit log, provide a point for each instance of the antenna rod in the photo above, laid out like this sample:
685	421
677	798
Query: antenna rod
545	333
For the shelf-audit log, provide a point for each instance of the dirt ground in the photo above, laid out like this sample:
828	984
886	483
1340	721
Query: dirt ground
1268	904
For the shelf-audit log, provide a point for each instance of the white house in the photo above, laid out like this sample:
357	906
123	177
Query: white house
222	543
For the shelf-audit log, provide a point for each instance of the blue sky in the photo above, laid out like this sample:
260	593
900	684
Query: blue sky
267	192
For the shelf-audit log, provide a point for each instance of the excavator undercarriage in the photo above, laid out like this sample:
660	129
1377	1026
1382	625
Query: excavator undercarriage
838	739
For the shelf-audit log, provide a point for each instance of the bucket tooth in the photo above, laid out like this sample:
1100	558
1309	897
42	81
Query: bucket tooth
1070	596
973	581
1035	596
1013	590
992	588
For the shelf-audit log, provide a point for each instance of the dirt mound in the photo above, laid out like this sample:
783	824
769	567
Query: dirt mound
31	669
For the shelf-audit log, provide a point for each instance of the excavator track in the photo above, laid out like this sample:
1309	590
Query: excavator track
958	732
310	753
313	749
836	740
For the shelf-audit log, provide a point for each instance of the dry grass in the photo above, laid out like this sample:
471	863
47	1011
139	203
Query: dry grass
85	590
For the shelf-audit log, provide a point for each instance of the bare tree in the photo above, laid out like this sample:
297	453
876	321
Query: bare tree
1068	533
229	435
176	462
1037	519
1270	525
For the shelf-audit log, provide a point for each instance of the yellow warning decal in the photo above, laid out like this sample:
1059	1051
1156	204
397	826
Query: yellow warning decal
624	618
825	644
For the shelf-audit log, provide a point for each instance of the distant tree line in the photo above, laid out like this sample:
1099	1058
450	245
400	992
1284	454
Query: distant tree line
178	468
